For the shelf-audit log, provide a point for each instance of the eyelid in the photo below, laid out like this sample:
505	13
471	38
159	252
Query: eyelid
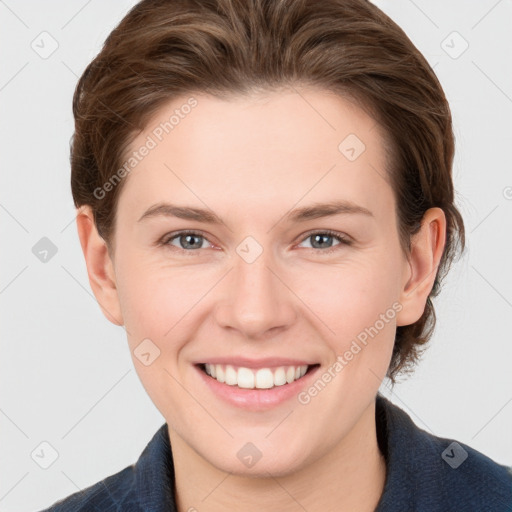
343	238
175	234
337	234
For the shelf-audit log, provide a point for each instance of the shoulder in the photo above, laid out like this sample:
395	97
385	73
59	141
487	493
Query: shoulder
431	473
107	495
145	485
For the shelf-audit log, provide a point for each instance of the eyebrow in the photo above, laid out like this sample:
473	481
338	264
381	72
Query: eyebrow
314	211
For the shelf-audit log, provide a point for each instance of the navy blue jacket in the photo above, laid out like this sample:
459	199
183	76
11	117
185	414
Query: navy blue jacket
425	473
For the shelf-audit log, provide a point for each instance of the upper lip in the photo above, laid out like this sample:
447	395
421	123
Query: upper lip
267	362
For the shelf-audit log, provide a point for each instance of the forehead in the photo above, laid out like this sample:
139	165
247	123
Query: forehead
268	150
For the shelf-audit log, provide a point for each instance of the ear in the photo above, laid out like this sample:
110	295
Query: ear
427	247
100	267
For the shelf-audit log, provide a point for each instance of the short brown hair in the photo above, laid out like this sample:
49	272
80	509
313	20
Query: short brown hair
165	48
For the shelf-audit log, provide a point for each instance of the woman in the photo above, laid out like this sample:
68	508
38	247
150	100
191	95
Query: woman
266	204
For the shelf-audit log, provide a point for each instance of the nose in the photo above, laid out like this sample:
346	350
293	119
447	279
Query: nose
256	298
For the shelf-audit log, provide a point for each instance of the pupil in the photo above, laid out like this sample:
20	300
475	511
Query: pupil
188	237
320	236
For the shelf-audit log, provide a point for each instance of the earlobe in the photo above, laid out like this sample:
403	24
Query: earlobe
427	248
100	268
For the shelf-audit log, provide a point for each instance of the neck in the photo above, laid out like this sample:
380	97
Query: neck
349	477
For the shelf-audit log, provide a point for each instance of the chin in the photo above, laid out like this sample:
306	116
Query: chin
260	460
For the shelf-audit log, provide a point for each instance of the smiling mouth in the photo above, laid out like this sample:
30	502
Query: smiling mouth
261	378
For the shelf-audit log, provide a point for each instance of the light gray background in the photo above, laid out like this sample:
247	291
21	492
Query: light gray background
66	373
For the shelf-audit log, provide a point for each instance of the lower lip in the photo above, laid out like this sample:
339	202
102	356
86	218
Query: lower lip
257	399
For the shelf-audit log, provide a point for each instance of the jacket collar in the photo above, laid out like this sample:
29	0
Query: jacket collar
418	478
155	474
435	474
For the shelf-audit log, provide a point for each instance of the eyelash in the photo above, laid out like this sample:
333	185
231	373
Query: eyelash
344	240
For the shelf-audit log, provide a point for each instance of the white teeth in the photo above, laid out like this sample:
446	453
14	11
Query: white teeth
245	378
279	377
263	378
231	376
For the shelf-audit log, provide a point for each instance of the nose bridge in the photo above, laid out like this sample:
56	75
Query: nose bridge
256	299
256	277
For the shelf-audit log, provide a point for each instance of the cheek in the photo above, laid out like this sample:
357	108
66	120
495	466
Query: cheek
154	296
155	302
357	307
352	295
159	300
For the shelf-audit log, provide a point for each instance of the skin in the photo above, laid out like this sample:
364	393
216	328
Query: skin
251	160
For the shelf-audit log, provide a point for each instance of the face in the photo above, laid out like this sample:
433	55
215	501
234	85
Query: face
275	283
